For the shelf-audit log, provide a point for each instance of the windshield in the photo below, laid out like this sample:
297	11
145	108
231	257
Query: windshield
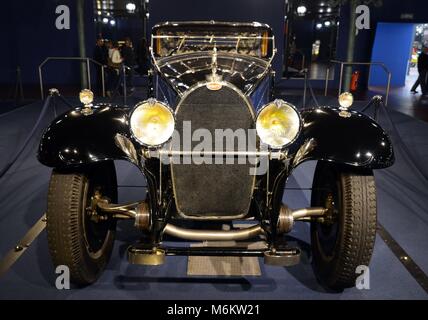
178	39
248	44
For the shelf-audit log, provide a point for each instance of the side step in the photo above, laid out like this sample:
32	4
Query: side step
143	255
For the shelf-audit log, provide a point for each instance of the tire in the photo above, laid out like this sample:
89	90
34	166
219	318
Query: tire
346	240
74	240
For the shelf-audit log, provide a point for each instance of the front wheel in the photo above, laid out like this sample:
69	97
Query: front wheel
344	239
75	239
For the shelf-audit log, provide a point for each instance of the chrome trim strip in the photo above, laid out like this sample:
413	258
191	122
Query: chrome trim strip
210	23
171	153
213	235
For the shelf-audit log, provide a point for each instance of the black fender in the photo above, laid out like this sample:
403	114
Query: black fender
353	139
75	139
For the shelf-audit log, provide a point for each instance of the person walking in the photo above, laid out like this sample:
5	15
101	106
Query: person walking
423	70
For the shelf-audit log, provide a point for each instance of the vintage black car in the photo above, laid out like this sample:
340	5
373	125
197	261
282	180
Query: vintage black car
214	146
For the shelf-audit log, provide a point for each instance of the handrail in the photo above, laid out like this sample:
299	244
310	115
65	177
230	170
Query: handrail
343	63
73	58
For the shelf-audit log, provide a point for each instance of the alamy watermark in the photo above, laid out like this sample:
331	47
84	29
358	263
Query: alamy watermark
363	19
362	282
62	22
62	281
220	146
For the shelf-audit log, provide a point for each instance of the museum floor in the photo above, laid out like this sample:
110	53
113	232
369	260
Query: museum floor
402	212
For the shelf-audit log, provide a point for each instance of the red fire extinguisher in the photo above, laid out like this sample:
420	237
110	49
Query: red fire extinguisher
354	80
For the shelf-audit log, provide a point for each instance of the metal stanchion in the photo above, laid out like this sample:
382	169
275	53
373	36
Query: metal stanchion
88	70
305	87
42	94
102	81
53	92
124	83
327	79
341	79
18	86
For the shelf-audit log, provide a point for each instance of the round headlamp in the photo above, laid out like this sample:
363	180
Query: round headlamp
278	124
152	123
346	100
86	96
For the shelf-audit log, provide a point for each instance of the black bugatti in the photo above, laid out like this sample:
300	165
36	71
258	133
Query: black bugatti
214	147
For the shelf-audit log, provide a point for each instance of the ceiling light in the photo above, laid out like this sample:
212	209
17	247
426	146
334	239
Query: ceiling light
105	20
327	23
301	10
112	22
318	25
328	9
321	10
131	7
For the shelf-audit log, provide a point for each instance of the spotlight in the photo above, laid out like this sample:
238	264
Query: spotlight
112	22
105	20
321	10
99	13
318	26
327	23
147	15
131	7
301	10
328	9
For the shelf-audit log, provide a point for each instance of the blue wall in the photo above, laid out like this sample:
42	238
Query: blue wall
263	11
392	45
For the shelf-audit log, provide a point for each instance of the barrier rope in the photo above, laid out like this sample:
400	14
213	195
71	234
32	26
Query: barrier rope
47	103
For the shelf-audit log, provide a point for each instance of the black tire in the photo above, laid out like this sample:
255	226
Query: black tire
74	239
341	244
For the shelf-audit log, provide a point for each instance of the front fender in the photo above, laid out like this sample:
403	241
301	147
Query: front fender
75	139
356	140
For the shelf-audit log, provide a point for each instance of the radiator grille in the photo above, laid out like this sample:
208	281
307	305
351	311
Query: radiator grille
213	190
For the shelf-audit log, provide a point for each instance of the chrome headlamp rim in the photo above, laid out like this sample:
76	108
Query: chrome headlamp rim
135	138
292	106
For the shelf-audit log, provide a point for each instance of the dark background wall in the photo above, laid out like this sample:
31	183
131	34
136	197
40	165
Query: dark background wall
29	34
